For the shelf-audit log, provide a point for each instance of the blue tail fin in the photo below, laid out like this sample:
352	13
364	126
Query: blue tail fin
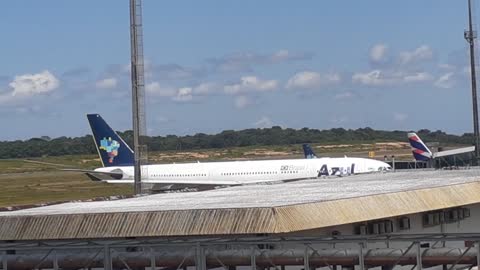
113	151
419	149
308	151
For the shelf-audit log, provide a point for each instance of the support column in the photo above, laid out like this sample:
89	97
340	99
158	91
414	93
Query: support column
201	262
253	262
361	261
4	260
107	259
419	256
306	259
152	259
55	260
478	254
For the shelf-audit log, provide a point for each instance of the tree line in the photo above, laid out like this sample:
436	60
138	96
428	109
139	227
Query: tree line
44	146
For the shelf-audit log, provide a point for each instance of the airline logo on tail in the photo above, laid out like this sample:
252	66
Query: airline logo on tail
419	149
111	147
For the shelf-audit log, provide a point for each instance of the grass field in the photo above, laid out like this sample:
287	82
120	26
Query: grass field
42	187
40	180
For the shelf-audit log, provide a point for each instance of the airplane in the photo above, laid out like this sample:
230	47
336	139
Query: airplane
117	159
308	151
419	149
422	153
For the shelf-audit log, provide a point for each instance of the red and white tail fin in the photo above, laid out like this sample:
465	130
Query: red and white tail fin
419	149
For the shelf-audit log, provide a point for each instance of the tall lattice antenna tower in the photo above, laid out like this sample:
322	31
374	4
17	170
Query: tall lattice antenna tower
138	94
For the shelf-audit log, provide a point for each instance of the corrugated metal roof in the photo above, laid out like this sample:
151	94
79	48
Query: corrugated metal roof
279	208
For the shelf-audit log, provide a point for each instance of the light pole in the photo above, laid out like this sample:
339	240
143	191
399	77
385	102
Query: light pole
470	37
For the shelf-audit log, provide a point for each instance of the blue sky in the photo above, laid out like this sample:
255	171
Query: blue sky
216	65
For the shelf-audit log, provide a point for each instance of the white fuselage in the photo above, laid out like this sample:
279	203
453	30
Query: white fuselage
246	172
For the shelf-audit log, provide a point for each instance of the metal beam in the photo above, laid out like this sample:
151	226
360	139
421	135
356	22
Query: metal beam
90	261
178	259
107	259
470	36
459	258
189	242
478	254
55	260
119	257
138	84
419	256
253	262
200	261
152	259
361	261
306	259
38	265
403	254
4	261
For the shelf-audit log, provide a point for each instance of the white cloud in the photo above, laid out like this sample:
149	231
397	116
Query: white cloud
373	78
241	61
418	77
154	88
281	55
250	83
447	66
400	117
445	81
32	84
107	83
287	56
183	94
206	88
378	53
310	80
381	78
467	70
421	53
264	122
242	102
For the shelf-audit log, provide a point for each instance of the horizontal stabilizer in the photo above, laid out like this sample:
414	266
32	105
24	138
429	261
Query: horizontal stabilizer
114	175
452	152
